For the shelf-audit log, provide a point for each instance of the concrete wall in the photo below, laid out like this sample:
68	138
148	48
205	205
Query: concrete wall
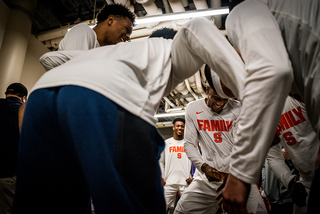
32	70
4	14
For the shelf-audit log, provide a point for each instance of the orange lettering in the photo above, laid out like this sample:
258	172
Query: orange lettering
200	124
206	126
215	125
229	123
294	121
298	112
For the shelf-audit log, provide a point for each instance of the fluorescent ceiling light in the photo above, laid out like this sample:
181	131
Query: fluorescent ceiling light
170	114
182	15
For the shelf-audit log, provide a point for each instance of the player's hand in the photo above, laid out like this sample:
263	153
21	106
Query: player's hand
189	180
235	196
163	182
298	193
211	173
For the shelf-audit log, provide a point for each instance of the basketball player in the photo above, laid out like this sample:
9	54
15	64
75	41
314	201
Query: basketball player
301	143
114	24
175	165
212	123
279	43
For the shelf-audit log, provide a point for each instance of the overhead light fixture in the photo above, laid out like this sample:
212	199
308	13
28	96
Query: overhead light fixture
182	15
170	114
179	15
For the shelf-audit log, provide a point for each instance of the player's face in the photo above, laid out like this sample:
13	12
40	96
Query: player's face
214	101
119	31
179	128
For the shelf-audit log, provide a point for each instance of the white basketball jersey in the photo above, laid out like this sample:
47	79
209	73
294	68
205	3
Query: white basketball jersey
174	163
214	131
298	138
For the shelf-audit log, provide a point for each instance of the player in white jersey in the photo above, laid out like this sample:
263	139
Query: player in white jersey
114	24
212	123
175	165
279	43
301	143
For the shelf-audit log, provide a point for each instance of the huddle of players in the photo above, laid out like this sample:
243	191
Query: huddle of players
212	122
216	135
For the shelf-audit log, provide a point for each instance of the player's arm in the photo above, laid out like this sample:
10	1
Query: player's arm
191	140
53	59
282	172
254	31
191	147
277	164
200	42
267	86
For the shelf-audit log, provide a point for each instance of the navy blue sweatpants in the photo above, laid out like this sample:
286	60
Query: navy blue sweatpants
76	144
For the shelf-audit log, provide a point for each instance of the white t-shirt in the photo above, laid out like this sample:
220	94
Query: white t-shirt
79	37
174	163
134	75
214	131
299	140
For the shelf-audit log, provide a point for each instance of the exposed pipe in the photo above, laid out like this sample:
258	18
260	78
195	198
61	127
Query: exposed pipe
176	6
185	3
150	7
203	76
109	1
199	85
166	6
200	4
192	83
126	3
190	90
169	102
184	91
217	19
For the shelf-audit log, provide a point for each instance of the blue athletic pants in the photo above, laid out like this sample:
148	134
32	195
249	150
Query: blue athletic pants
76	144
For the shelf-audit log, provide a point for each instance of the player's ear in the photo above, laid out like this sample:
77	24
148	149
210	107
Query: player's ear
111	20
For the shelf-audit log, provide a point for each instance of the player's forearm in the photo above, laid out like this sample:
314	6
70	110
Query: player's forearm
265	94
277	165
51	60
193	154
258	120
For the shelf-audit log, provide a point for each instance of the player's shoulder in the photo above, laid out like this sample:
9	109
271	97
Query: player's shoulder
195	103
81	27
194	106
169	140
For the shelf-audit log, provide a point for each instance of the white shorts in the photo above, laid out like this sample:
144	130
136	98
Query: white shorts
200	197
170	192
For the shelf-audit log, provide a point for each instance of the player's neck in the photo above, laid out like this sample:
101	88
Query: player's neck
178	137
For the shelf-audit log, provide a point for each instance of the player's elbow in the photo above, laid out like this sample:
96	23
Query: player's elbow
279	74
284	72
